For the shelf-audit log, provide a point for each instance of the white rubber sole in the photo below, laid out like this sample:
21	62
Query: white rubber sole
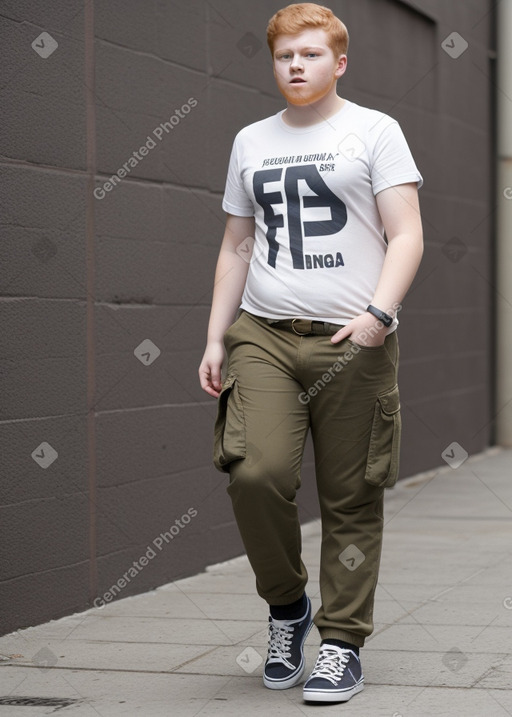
331	695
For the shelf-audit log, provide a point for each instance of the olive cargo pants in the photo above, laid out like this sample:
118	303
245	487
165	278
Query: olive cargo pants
279	385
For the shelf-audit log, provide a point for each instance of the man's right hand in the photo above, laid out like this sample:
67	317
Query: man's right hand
210	368
230	276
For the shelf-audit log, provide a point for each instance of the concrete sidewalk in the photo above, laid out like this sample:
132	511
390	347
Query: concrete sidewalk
441	646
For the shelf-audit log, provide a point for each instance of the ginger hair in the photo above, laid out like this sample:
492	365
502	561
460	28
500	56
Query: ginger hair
295	18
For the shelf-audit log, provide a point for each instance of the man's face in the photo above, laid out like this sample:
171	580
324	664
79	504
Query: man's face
305	67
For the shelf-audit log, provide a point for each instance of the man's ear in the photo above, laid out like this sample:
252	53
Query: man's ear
342	66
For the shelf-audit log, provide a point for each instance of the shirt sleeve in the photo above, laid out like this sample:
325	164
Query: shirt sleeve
392	161
235	200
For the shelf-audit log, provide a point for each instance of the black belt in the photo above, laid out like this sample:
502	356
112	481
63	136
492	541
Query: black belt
304	327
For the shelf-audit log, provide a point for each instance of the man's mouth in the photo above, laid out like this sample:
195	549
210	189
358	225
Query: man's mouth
296	80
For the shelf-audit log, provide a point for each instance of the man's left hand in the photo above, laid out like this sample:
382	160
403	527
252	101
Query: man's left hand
364	330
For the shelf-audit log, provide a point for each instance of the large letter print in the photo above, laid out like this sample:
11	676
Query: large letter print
297	229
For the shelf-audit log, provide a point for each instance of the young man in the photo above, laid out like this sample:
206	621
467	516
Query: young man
328	190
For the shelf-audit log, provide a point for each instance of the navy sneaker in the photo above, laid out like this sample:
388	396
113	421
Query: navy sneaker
285	663
337	676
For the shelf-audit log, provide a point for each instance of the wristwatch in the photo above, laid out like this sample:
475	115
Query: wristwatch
386	319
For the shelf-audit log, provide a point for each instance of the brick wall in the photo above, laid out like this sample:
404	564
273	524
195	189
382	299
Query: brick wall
105	288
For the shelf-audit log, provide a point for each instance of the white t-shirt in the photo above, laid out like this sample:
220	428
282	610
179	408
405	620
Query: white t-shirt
319	240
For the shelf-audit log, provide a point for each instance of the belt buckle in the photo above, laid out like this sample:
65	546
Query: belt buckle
298	332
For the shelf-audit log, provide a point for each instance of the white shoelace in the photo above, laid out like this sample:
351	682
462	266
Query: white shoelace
279	641
330	664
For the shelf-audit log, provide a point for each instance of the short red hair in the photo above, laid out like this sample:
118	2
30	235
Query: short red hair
306	15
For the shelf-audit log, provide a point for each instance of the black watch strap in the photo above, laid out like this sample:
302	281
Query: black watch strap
386	319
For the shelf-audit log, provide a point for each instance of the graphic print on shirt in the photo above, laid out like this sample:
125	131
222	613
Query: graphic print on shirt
295	201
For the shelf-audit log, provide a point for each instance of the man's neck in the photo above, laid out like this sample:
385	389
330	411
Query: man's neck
306	115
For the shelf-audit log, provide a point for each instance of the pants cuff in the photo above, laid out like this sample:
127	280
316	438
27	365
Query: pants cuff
327	633
286	600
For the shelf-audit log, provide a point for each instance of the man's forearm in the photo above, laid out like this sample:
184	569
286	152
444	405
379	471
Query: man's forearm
230	277
402	260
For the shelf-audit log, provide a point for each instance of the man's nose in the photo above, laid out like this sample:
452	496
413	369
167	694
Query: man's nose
296	63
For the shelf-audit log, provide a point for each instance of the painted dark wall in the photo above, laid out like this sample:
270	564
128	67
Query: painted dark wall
86	279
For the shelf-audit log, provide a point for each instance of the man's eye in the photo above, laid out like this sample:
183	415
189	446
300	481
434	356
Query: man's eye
283	57
312	54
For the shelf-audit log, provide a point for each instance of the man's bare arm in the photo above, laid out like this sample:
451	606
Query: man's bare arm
400	213
230	277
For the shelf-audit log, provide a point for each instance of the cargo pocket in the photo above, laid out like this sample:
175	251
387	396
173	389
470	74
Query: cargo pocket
384	452
229	432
